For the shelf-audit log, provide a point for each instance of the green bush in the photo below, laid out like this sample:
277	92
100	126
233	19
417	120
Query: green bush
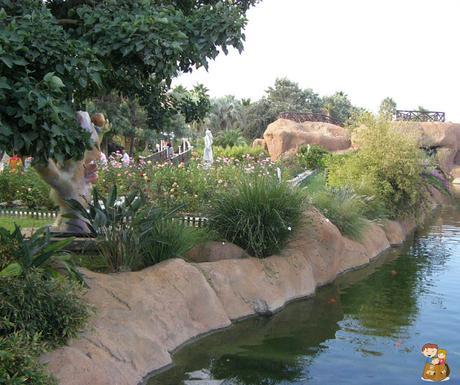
343	208
20	254
27	187
18	360
35	303
131	234
387	166
312	157
239	152
231	138
258	215
163	238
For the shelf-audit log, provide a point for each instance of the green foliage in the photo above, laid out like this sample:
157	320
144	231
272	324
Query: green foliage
226	114
131	234
163	238
57	54
388	167
312	157
258	215
387	108
240	152
37	251
111	220
25	186
343	208
35	303
231	138
339	107
18	360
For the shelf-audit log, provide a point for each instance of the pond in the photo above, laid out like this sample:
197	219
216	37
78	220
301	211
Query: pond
367	327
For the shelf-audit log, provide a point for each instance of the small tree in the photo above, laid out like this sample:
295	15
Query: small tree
387	108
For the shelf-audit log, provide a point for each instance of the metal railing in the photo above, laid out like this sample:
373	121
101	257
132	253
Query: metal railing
419	116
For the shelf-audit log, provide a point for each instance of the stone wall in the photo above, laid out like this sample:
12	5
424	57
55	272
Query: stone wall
141	317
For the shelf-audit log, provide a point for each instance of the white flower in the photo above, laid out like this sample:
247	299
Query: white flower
289	228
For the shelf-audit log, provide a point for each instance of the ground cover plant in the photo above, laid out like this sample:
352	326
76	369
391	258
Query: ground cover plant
258	214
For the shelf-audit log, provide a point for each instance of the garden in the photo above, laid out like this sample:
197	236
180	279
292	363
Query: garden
135	219
61	57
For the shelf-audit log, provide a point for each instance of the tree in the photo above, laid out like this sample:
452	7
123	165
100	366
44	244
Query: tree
57	54
226	114
339	107
288	96
387	107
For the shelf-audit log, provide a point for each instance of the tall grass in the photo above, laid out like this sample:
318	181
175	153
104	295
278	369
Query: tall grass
343	208
258	215
161	237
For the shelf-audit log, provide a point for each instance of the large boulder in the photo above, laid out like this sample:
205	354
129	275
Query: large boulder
286	135
140	318
215	251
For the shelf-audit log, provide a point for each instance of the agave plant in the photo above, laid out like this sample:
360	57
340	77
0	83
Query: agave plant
35	252
110	219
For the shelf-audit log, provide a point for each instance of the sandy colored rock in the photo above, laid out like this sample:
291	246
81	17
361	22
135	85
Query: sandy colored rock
259	143
374	240
284	135
141	317
432	134
395	232
259	286
215	251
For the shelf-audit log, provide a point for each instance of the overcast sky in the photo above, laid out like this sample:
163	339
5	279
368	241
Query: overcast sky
370	49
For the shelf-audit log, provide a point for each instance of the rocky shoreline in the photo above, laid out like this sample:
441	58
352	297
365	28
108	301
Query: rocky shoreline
142	317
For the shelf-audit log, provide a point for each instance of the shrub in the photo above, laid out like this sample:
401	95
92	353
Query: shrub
240	152
258	215
111	220
132	235
163	238
312	157
20	254
343	208
34	303
231	138
18	360
387	166
27	186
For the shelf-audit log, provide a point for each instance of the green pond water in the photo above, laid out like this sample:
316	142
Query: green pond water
366	328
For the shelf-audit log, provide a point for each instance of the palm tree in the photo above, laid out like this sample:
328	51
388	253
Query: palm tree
226	113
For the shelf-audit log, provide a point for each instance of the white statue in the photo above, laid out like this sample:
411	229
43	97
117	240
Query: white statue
207	156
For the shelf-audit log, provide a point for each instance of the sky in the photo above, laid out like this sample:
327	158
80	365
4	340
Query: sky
370	49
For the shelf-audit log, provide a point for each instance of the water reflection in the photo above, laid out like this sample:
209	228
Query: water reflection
366	326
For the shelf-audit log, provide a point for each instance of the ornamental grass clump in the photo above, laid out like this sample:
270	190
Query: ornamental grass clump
259	214
343	208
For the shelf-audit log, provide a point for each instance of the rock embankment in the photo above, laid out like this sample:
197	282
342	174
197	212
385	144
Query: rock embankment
141	317
286	136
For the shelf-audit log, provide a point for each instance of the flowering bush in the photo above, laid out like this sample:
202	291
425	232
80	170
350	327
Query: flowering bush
26	186
190	186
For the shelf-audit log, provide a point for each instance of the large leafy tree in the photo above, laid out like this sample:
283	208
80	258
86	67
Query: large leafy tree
56	54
